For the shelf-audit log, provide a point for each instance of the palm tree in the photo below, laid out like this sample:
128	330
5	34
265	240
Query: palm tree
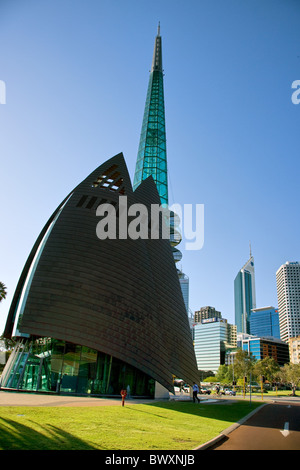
2	291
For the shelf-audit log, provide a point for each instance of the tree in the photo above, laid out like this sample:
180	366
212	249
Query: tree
290	374
224	374
212	378
3	291
243	364
268	368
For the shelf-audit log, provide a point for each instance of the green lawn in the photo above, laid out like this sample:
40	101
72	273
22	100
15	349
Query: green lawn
160	426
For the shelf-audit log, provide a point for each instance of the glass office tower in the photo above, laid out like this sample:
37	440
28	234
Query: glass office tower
244	296
265	322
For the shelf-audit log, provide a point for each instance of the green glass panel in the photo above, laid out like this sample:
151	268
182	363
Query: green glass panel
50	365
152	155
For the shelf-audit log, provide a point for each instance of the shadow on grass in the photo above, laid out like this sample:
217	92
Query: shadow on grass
17	436
230	411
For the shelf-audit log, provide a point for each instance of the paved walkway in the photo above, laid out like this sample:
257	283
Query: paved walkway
32	399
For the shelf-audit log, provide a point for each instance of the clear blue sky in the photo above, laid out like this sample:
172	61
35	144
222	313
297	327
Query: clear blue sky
76	75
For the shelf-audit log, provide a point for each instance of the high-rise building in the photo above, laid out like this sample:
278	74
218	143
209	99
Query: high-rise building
244	295
213	338
206	312
288	294
152	151
264	321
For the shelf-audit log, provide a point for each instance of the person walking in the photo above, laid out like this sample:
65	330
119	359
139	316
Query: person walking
195	392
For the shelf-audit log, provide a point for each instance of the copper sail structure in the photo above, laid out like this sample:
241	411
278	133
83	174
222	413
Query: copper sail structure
90	315
94	316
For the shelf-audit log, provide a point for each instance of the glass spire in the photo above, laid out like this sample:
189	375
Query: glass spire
152	152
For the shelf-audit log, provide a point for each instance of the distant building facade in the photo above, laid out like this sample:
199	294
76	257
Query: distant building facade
244	296
206	312
294	348
213	337
184	285
288	293
264	321
265	347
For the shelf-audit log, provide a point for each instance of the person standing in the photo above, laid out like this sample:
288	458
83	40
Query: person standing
123	395
195	392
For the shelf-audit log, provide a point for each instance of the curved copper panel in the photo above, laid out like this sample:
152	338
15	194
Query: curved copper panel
121	297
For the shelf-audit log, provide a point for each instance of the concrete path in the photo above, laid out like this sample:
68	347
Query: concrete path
32	399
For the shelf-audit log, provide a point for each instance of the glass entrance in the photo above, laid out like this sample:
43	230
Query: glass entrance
50	365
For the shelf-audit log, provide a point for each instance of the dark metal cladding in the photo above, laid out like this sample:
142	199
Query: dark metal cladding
120	297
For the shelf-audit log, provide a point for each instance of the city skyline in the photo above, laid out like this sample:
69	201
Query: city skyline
75	90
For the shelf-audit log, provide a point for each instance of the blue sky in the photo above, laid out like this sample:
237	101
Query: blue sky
76	75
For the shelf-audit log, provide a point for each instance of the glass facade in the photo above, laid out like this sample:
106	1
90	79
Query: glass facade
265	322
261	348
244	296
210	338
51	365
238	302
184	284
152	153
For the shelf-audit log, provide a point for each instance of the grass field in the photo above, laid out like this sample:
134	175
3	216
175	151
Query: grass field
159	426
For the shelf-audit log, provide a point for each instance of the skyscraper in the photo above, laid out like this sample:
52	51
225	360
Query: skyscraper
244	295
184	284
152	151
288	294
